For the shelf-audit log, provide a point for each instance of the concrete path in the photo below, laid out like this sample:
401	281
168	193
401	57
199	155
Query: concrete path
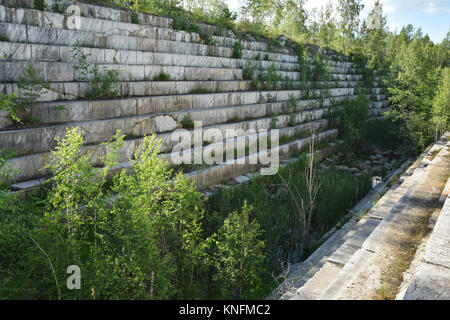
367	259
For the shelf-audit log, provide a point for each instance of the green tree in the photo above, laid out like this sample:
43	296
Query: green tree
441	102
375	36
349	11
239	256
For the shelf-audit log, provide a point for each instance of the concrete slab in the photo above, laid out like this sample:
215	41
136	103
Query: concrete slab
430	282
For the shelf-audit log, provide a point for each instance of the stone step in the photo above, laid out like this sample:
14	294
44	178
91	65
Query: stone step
17	33
31	166
11	71
98	11
422	248
431	279
61	53
84	110
215	173
33	140
379	97
338	249
363	262
121	15
379	112
67	91
381	104
41	35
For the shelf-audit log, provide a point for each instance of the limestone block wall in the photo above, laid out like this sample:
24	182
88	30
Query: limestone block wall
205	83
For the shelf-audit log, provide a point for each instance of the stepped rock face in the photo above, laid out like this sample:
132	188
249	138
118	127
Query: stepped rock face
201	83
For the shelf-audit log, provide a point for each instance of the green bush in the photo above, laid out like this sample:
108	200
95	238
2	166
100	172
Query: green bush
187	122
31	86
162	77
135	17
239	256
39	5
9	105
352	119
101	84
58	7
237	50
137	236
184	23
274	210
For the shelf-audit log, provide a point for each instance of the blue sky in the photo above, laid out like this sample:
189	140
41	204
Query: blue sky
432	16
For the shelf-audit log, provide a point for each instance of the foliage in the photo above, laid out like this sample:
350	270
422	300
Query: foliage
276	212
441	102
186	24
187	122
9	105
39	5
31	86
58	7
237	50
319	70
137	236
412	88
352	120
162	77
239	256
134	17
248	71
101	84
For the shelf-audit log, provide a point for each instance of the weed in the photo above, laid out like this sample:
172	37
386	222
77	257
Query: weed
162	77
134	17
39	5
187	122
30	86
58	7
237	50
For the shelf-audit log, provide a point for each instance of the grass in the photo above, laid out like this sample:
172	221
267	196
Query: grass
201	90
275	210
286	139
235	118
405	251
187	122
162	77
4	38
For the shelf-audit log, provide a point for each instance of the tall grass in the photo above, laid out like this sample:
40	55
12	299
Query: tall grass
275	210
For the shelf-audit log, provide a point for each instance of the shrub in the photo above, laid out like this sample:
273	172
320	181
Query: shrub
58	7
187	122
39	5
134	17
249	71
351	122
101	85
8	104
31	86
237	50
184	23
239	256
275	210
162	77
